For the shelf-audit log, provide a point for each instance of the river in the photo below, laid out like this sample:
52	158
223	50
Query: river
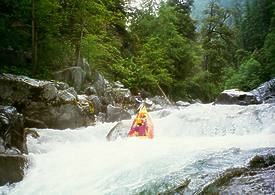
195	143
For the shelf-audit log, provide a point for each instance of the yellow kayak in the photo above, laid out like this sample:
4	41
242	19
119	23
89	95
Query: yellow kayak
142	125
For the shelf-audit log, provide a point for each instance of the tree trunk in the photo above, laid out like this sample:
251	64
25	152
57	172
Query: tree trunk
164	94
78	48
34	37
205	62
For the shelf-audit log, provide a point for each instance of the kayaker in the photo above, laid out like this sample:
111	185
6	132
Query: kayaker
139	102
140	127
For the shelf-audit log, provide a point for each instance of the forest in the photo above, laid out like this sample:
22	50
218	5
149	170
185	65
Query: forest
156	45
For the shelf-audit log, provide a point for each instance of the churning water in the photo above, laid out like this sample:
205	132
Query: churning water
195	143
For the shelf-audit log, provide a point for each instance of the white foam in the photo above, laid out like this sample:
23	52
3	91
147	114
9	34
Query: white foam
82	161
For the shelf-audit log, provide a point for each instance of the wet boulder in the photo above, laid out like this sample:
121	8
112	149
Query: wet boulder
257	178
234	96
160	100
108	93
114	93
67	111
74	76
118	84
44	104
121	94
67	96
29	122
101	117
86	104
62	116
12	145
158	103
18	90
120	130
180	188
116	114
265	92
86	67
182	104
49	92
97	105
90	90
12	136
262	161
100	84
12	168
60	85
103	89
155	107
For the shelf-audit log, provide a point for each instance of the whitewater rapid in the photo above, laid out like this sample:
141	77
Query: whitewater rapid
197	143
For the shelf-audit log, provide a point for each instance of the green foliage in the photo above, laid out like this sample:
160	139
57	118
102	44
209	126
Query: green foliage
197	87
17	70
103	54
167	56
184	23
217	41
247	77
14	21
268	51
63	56
158	47
255	23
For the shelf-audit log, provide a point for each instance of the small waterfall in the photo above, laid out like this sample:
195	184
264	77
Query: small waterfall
216	120
191	145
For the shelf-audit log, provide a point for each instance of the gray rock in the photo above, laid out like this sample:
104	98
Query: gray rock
19	89
2	146
120	130
86	104
49	92
34	123
101	88
262	161
86	67
148	102
2	149
11	129
118	84
12	151
59	116
160	100
116	114
68	95
12	168
32	133
90	91
42	104
155	107
121	95
101	117
60	85
234	96
195	101
107	98
183	104
97	106
74	76
257	178
100	84
109	93
265	92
